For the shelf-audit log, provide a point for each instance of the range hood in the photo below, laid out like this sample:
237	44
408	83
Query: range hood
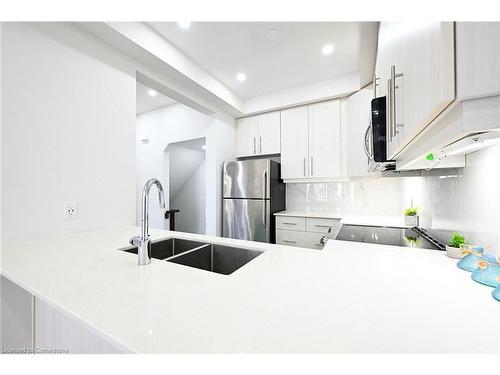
471	143
463	128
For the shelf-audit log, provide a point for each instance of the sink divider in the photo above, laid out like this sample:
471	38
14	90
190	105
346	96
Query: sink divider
190	251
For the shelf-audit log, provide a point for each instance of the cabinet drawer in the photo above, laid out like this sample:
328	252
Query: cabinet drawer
289	237
291	223
299	239
321	225
312	240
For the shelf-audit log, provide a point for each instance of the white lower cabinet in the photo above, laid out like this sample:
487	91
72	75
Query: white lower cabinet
16	318
57	330
30	325
299	239
304	231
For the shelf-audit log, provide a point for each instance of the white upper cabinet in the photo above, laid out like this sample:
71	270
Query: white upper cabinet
355	121
478	59
310	141
247	134
415	64
324	139
294	143
269	133
259	135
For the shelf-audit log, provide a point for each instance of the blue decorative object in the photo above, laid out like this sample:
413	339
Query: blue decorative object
496	293
488	272
470	262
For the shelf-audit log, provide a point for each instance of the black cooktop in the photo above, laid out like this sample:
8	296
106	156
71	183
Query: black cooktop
407	237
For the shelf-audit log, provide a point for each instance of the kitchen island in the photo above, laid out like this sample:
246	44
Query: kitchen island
347	298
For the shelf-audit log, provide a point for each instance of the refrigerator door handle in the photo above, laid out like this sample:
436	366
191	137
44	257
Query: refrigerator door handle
264	190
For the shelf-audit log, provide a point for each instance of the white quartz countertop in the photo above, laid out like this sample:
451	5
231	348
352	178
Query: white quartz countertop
349	297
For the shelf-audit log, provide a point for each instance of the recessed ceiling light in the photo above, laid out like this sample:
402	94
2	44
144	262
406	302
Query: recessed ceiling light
241	77
184	24
327	49
152	92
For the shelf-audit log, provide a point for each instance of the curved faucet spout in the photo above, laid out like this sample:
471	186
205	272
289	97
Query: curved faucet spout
147	187
143	244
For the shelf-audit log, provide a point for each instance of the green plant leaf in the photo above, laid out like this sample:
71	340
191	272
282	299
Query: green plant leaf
412	211
456	240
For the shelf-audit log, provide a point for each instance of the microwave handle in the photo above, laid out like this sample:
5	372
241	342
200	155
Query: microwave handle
366	140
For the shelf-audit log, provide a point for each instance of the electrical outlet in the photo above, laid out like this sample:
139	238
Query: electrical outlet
70	210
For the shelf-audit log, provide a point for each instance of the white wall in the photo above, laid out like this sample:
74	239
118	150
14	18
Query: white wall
186	190
177	123
68	124
190	199
182	163
465	199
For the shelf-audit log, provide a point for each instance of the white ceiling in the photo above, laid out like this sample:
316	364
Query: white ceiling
224	49
146	102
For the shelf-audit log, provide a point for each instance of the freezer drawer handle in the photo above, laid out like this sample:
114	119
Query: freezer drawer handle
264	189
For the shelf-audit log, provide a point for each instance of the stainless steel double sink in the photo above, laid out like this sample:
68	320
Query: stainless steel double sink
216	258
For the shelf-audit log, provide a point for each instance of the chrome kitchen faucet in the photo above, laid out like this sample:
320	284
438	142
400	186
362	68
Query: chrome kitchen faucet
143	242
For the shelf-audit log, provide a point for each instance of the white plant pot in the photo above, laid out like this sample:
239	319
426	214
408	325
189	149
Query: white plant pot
411	221
453	252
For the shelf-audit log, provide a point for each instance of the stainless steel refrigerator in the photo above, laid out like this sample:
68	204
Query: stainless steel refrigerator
252	192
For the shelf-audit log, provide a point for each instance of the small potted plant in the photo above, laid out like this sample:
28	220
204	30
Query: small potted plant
411	216
454	249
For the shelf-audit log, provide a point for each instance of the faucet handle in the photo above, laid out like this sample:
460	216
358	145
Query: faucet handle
135	241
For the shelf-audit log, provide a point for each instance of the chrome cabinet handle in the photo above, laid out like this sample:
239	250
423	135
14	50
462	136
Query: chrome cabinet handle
289	223
394	123
254	149
312	169
389	107
322	226
260	142
304	166
287	241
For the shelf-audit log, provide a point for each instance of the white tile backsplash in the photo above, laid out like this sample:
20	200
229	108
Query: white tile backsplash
465	199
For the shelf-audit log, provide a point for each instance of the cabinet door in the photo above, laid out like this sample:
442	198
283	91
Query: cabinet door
386	54
294	143
16	316
354	125
324	139
247	134
55	329
478	56
269	133
425	59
